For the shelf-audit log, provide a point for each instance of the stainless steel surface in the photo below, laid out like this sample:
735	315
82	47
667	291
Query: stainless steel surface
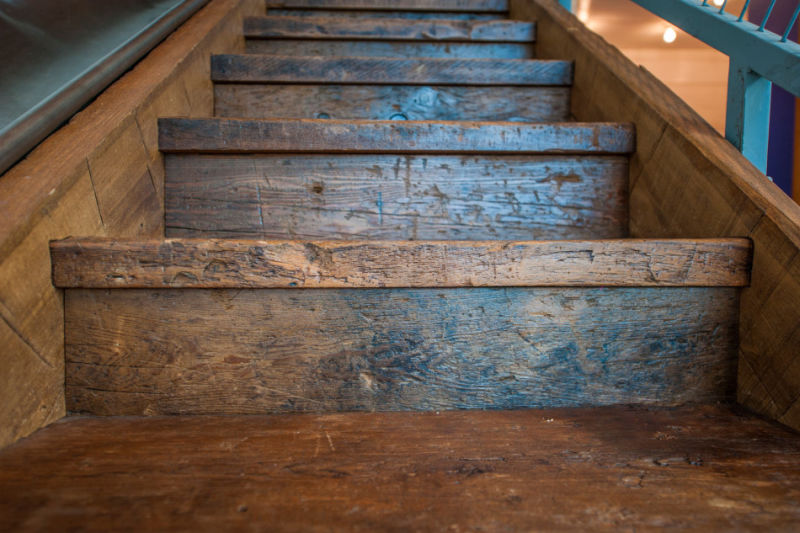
58	55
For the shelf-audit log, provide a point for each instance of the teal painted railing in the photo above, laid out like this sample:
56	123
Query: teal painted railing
758	57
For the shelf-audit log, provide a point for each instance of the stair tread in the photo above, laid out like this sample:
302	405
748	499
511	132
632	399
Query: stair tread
339	28
374	48
222	135
491	6
367	13
243	263
251	68
709	468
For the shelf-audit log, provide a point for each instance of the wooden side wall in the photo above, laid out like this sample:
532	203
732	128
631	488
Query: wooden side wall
687	181
100	174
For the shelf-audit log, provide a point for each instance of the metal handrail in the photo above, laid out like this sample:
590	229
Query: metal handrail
22	135
758	57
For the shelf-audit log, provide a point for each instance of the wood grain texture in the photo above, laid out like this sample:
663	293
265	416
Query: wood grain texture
598	469
32	320
97	175
392	102
590	469
363	13
372	71
217	351
351	196
478	6
232	136
124	189
390	49
202	263
686	181
339	28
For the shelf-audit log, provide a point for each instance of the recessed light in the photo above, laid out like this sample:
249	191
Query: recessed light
718	2
670	35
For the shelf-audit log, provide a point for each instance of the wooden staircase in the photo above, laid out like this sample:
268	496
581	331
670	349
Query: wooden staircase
392	211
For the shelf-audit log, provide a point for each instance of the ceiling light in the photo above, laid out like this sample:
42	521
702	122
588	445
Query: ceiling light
718	2
670	35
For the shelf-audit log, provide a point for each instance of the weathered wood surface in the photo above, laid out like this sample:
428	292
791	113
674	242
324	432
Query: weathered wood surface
202	263
361	71
100	174
687	181
590	469
339	28
407	49
365	13
395	197
392	102
218	351
478	6
232	136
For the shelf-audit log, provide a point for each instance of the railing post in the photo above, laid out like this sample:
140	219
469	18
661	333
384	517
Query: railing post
747	117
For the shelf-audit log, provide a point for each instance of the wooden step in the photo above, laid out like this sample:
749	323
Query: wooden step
201	263
187	135
339	28
253	86
386	37
459	6
500	325
362	13
697	468
344	193
407	49
390	71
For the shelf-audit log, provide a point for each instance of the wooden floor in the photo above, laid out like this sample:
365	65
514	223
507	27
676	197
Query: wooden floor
623	469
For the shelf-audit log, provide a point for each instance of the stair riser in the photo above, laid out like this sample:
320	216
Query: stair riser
200	351
411	15
396	196
354	48
387	102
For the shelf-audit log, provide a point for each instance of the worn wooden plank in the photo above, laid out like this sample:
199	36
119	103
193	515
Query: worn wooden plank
396	197
689	181
201	351
230	136
362	70
478	6
363	13
392	102
339	28
589	469
407	49
202	263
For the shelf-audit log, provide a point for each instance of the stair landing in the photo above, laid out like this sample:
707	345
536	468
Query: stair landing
614	468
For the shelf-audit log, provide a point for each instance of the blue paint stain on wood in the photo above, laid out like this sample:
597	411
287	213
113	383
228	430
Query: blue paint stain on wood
399	349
